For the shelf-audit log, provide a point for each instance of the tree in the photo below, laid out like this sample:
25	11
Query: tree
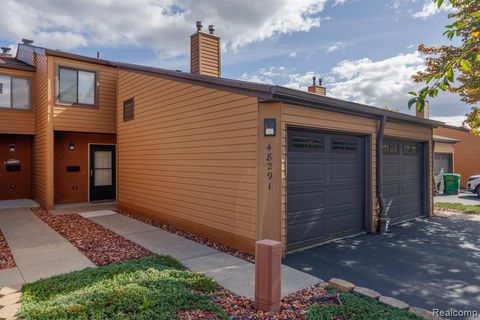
454	68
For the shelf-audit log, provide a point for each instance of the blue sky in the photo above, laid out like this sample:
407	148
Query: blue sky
365	50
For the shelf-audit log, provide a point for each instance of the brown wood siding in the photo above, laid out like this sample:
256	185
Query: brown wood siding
189	157
42	155
98	119
442	147
15	184
18	121
338	122
72	187
205	54
467	152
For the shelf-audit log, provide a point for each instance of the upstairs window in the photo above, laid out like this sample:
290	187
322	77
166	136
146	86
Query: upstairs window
15	93
128	109
76	86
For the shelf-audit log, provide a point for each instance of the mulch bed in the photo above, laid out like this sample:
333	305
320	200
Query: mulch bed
293	306
6	257
97	243
191	236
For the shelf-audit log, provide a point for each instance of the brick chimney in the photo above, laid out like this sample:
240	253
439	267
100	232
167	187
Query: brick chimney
425	112
205	52
5	52
317	89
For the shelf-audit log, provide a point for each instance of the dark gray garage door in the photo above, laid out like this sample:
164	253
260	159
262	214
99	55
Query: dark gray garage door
403	179
325	187
442	161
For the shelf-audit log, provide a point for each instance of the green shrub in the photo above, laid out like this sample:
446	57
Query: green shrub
150	288
356	307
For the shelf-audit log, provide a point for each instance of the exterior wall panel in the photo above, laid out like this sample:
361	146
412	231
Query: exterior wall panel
189	157
16	184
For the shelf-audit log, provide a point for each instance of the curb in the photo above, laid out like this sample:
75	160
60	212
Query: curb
345	286
10	301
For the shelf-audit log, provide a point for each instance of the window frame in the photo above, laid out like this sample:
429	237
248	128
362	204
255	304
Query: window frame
125	102
389	152
30	96
346	143
76	104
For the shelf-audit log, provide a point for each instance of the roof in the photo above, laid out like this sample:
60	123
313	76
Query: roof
12	63
455	128
264	92
444	139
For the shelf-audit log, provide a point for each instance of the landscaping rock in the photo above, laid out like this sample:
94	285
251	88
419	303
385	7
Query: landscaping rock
323	284
369	293
11	289
425	314
9	311
392	302
10	299
341	285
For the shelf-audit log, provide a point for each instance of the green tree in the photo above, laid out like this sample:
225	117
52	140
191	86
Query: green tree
454	68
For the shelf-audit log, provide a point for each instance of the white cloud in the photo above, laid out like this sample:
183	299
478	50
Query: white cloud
162	25
378	83
339	2
430	8
453	121
292	54
336	46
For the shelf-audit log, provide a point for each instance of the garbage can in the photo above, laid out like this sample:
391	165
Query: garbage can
452	183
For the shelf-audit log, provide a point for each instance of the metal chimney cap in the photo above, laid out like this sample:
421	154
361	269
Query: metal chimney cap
199	26
211	29
320	81
27	41
6	49
314	80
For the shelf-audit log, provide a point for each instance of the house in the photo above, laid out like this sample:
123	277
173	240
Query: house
231	160
467	150
443	154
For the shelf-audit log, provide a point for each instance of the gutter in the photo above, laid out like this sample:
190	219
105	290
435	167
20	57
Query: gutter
384	220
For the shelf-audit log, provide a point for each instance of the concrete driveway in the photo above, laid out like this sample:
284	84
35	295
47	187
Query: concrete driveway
428	263
463	198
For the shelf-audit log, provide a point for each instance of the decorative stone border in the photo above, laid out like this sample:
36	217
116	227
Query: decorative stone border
10	301
345	286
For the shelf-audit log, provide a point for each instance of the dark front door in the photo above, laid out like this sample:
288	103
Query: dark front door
325	187
102	172
403	179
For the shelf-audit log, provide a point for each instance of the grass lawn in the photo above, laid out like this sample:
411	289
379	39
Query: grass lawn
155	287
468	209
356	307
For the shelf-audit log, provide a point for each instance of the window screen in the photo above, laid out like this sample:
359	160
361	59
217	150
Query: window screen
390	148
128	109
76	86
306	144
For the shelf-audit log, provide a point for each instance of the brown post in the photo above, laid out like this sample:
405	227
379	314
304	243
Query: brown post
268	261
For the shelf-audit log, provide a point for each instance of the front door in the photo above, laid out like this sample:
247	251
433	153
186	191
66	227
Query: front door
102	172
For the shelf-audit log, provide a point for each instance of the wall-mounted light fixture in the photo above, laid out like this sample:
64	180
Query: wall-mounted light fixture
11	147
71	146
270	127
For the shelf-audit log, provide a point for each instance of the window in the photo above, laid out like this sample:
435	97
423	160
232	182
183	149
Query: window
390	148
410	149
344	146
306	144
128	109
76	86
15	93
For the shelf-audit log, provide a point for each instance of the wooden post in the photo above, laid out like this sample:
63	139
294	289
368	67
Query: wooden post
268	261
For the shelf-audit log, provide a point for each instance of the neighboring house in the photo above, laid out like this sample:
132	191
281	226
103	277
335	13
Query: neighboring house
232	160
466	157
443	154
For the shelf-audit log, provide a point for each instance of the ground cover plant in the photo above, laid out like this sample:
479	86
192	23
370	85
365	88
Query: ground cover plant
458	207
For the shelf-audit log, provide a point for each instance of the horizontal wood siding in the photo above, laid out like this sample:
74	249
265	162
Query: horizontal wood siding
442	147
189	157
99	119
467	152
18	121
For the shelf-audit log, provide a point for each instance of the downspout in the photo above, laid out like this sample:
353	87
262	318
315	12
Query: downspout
384	220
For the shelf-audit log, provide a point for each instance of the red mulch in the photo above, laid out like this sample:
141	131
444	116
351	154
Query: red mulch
6	257
191	236
293	306
98	244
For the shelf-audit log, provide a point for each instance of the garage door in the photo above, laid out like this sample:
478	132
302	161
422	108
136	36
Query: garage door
325	187
442	161
403	179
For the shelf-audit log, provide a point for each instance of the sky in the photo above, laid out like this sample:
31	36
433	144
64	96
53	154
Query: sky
364	50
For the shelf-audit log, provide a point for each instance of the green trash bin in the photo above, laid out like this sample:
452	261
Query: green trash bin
452	183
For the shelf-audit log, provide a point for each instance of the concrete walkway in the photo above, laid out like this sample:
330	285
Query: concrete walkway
38	250
232	273
463	198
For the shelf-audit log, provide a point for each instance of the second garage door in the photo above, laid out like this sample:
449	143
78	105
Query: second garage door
325	187
403	179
